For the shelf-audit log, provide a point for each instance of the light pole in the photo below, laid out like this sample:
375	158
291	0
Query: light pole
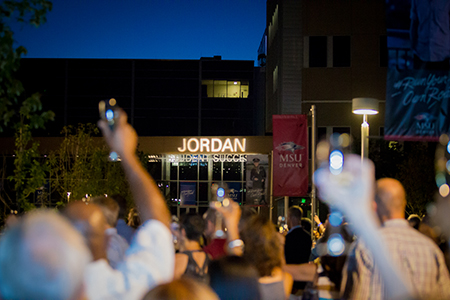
365	106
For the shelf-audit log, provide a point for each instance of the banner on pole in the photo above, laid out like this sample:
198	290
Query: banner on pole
290	155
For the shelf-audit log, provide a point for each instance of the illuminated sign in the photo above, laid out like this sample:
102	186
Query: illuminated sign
204	158
214	145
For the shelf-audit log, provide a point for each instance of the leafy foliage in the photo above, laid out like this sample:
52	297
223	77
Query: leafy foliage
31	12
412	164
81	166
24	114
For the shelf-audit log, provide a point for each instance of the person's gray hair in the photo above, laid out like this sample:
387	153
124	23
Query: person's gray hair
42	257
109	207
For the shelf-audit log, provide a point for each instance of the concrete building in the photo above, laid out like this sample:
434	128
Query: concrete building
325	53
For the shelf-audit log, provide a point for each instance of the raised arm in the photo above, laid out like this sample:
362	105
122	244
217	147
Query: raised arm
231	213
147	196
352	192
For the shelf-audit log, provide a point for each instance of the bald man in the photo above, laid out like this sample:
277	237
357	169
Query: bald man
417	257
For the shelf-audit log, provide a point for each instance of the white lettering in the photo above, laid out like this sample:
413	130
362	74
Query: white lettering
184	146
227	145
189	142
218	142
204	143
291	158
237	144
214	145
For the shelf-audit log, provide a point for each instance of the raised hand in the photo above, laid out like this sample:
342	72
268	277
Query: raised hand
123	139
351	191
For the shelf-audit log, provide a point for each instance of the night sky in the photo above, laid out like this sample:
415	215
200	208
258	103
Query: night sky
152	29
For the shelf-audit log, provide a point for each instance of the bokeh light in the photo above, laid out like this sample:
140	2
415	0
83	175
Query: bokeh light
334	140
336	162
344	140
444	139
444	190
335	219
335	245
220	192
323	149
113	156
440	179
109	114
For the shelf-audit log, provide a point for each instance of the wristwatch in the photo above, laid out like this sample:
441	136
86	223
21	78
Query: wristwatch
236	243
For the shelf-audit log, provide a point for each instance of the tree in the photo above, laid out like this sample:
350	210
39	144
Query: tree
23	112
412	164
80	166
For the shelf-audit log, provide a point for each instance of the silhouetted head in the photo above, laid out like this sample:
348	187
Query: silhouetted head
414	221
294	217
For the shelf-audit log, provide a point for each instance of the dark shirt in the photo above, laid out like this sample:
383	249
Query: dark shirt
297	249
193	270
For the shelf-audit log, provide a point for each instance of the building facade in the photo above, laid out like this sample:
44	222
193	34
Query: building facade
209	96
325	53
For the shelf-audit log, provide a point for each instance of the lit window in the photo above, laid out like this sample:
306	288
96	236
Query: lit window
225	88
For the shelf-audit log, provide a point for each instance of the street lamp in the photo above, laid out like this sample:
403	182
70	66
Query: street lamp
365	106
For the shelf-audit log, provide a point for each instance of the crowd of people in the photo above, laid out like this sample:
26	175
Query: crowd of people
366	249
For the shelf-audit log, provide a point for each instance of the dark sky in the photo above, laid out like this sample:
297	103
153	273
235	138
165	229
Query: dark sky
153	29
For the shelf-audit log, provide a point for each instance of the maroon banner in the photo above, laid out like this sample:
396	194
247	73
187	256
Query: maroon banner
290	155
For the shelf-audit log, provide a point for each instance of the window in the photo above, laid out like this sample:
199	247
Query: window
341	51
317	51
341	130
225	88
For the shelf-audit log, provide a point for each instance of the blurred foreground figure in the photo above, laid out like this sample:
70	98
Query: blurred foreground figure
352	192
233	278
181	289
42	257
420	260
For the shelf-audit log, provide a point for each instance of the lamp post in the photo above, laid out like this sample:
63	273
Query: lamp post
365	106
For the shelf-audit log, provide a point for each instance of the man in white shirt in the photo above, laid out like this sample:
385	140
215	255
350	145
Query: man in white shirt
149	260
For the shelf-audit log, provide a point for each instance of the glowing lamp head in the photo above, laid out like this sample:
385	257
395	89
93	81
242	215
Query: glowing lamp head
365	106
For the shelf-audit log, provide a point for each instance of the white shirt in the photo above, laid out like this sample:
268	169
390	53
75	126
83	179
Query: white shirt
117	246
149	261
